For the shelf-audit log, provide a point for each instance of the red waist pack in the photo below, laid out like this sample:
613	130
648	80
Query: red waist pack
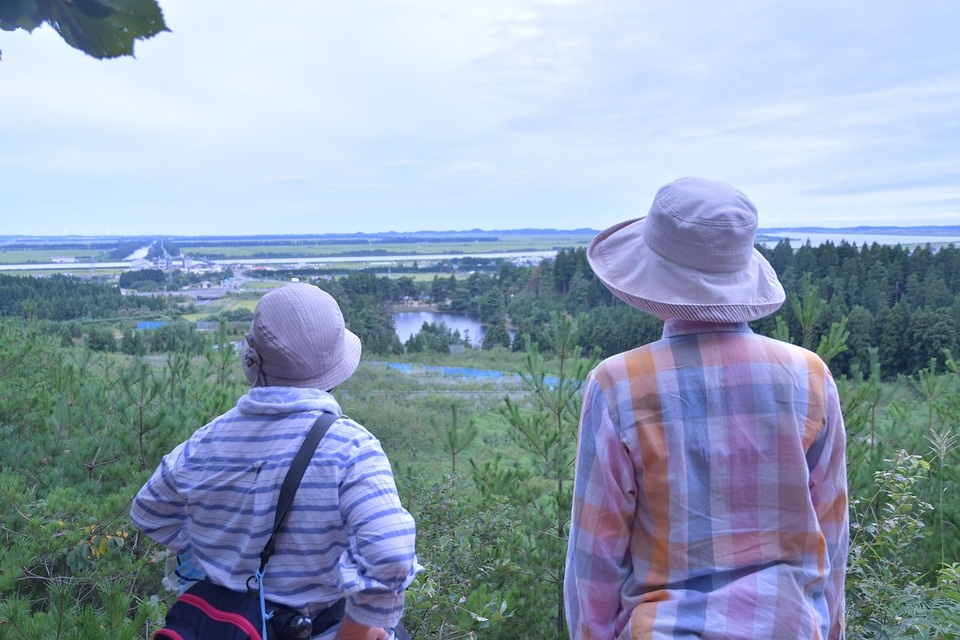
207	611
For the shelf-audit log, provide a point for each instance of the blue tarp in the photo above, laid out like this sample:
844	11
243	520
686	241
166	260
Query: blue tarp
149	324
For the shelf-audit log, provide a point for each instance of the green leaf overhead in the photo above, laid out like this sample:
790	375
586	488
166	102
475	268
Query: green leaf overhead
99	28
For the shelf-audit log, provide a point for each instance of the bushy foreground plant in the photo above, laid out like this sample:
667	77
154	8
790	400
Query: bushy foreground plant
461	542
888	595
71	567
82	430
902	579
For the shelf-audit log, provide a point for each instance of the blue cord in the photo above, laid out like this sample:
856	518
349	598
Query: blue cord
263	604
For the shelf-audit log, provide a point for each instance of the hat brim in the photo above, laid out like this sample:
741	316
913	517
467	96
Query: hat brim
635	273
333	377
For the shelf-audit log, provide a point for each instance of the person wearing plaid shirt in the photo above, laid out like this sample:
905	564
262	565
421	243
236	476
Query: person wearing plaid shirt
710	498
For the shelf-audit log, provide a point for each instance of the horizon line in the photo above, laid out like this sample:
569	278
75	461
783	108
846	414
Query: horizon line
882	229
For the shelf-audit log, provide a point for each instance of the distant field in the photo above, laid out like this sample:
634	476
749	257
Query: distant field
384	249
224	304
418	277
373	249
27	256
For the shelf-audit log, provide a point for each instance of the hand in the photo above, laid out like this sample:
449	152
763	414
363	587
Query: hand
350	630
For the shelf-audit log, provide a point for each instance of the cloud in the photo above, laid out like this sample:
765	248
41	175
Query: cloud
290	181
562	114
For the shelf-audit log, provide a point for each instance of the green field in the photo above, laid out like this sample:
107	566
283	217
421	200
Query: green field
224	304
505	244
371	252
30	256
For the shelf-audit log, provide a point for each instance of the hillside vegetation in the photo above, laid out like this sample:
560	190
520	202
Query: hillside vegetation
89	405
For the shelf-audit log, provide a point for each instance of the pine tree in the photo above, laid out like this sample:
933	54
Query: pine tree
545	429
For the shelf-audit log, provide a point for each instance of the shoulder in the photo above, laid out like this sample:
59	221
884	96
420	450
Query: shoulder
635	364
787	353
348	436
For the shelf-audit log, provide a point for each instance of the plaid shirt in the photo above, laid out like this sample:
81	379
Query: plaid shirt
710	498
347	533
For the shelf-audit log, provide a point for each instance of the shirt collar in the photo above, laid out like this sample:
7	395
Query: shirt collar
282	400
673	327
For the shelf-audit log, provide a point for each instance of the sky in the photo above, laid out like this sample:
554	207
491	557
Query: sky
316	116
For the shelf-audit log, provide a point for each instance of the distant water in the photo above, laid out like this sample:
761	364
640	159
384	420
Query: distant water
800	238
409	323
139	254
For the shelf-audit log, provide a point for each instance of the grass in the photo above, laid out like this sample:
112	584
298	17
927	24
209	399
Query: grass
261	286
228	303
241	303
403	410
27	256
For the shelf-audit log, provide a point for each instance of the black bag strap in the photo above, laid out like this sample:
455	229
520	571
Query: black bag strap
292	480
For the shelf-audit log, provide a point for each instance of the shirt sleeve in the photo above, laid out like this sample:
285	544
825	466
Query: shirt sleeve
158	508
828	480
381	561
604	501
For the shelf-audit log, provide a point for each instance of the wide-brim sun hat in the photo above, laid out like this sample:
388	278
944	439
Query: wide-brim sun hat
691	258
298	339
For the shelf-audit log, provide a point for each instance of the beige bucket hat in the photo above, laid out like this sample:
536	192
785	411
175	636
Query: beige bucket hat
691	258
298	339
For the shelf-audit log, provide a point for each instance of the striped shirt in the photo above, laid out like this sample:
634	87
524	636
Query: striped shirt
710	498
346	533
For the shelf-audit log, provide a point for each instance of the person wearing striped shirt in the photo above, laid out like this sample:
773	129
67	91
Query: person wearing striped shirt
710	495
347	534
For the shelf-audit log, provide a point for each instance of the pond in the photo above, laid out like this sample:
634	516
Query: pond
408	324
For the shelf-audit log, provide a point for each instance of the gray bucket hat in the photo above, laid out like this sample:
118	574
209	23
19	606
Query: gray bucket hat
691	258
298	339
